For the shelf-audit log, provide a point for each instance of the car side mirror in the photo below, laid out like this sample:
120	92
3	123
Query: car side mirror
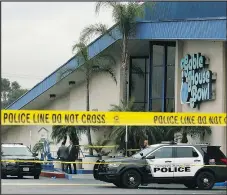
141	154
150	157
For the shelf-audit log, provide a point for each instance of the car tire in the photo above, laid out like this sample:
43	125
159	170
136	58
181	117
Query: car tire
3	176
36	176
205	180
191	185
131	179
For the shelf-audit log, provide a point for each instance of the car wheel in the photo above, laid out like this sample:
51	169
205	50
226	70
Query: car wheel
3	176
36	177
205	180
131	179
191	185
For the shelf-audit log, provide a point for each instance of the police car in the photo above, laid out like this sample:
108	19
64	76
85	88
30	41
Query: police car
14	157
196	166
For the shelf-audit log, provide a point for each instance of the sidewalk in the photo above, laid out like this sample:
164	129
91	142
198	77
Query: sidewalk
82	176
79	176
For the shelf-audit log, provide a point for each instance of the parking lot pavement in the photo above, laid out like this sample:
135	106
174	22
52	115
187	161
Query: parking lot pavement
87	185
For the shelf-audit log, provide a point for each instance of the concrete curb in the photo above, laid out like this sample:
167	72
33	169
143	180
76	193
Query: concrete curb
52	174
79	171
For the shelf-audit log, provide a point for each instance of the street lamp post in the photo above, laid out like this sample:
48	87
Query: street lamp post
126	140
30	139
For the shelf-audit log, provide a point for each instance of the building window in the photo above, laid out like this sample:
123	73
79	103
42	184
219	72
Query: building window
138	83
162	76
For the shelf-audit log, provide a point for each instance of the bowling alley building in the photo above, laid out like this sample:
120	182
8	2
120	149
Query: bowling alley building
182	50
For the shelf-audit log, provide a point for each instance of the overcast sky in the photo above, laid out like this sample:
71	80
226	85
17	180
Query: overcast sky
37	38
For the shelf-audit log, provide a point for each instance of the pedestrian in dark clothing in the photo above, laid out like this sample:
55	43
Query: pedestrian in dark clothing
145	145
73	156
63	155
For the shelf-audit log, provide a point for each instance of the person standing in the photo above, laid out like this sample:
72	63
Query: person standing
63	155
73	156
145	145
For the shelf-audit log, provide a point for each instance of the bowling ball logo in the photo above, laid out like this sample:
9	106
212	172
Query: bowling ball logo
184	93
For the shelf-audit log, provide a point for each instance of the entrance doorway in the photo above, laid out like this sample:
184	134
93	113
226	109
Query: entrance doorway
153	87
162	76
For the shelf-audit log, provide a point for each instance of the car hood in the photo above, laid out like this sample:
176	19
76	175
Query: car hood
19	158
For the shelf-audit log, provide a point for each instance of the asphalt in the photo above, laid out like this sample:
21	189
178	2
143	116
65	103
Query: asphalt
87	185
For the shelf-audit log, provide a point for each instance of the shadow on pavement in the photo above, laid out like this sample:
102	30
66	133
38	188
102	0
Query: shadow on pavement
19	178
162	188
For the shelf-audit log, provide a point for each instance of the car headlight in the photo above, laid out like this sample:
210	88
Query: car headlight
113	165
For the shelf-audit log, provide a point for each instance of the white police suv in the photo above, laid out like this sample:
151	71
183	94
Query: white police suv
17	160
192	165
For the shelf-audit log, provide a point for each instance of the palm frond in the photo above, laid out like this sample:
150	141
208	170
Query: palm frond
198	131
109	71
60	133
38	147
104	4
103	64
92	30
82	50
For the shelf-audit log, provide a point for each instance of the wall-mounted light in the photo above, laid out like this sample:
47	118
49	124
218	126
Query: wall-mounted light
52	96
95	67
72	82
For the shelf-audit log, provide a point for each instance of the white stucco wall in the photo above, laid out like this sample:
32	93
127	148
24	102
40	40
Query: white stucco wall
215	51
103	92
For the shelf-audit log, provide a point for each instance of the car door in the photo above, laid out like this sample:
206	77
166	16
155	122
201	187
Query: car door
160	162
188	160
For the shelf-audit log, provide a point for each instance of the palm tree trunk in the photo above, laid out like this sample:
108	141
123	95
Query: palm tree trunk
88	109
124	67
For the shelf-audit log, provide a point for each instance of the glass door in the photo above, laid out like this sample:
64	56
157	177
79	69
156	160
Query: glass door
162	76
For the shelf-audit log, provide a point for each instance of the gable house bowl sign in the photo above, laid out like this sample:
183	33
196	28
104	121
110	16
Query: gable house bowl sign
197	79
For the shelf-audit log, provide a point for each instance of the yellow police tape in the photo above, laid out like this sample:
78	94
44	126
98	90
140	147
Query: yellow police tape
120	163
91	146
50	117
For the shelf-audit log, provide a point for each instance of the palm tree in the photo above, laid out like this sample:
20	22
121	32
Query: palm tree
60	133
99	145
99	64
125	15
154	134
195	132
39	147
170	133
136	134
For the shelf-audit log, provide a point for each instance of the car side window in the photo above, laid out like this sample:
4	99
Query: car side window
165	152
186	152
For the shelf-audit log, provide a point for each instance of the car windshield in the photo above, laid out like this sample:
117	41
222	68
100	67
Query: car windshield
145	152
15	151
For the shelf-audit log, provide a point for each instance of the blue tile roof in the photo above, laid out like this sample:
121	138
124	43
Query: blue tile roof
203	28
185	10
